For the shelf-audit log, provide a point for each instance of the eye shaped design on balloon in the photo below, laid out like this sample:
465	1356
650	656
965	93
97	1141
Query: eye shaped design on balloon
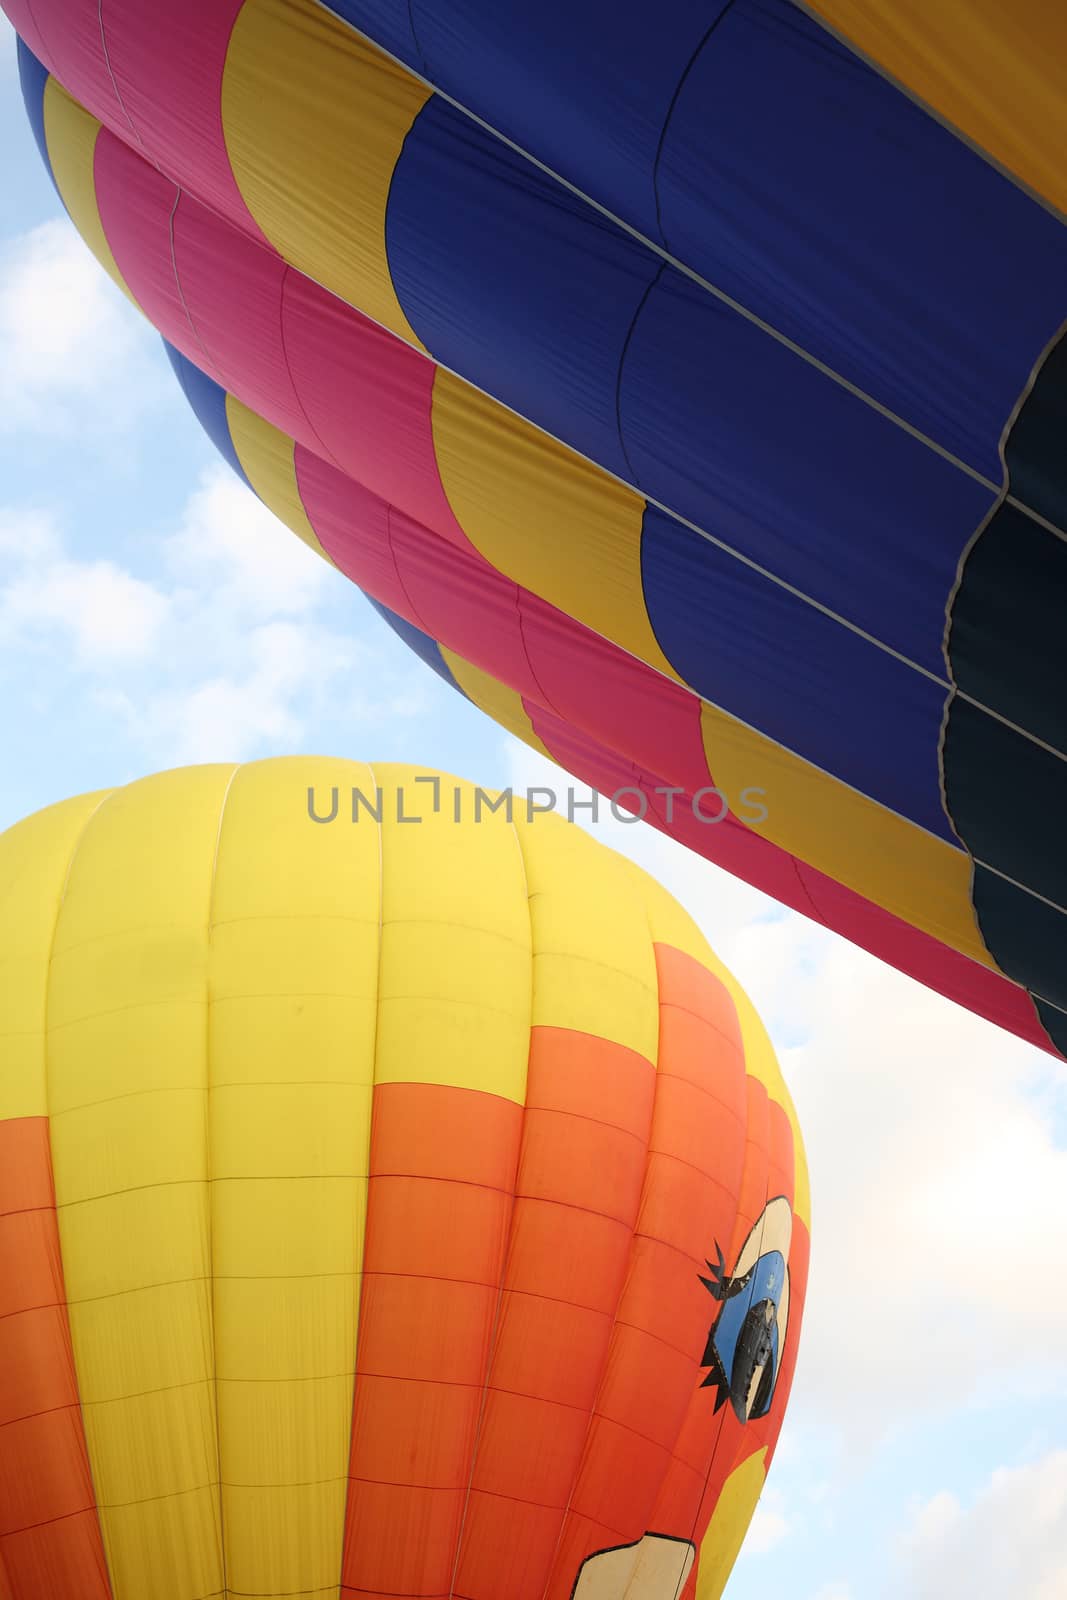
747	1338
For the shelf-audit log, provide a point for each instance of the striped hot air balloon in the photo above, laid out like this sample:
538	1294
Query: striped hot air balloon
686	382
397	1198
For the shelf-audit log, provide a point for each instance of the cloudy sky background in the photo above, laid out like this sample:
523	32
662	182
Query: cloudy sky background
152	613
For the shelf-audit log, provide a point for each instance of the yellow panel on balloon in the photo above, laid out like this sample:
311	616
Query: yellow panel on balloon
267	459
729	1524
893	862
594	966
294	967
71	134
314	119
128	1065
455	957
34	860
544	516
504	705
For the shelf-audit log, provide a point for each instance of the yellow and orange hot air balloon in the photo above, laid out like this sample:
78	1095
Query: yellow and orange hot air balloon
394	1201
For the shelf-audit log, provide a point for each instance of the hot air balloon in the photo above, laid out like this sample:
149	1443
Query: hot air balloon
396	1198
688	389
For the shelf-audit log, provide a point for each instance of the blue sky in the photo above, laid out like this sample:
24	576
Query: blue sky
153	614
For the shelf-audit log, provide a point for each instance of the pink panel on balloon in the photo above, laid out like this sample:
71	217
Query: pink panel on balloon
168	62
136	204
368	397
603	691
25	25
965	981
352	525
73	49
232	287
465	603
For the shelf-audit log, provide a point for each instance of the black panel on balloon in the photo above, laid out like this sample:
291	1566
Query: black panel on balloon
1027	936
1008	644
1008	799
1054	1022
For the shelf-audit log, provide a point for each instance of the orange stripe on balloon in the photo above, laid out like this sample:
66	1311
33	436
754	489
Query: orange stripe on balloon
442	1172
586	1128
49	1532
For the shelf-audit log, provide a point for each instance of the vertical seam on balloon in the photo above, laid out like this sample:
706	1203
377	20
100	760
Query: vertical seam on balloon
642	302
114	84
210	1181
816	915
546	703
350	1490
79	839
396	568
213	369
505	1251
653	945
415	36
327	453
679	86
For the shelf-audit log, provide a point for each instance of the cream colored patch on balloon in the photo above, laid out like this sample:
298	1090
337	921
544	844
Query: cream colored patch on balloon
654	1568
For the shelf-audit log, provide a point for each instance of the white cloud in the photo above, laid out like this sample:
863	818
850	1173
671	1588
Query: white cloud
939	1192
234	551
75	356
226	653
109	615
27	537
1010	1541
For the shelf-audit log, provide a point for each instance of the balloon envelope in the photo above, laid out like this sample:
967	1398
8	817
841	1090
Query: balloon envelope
395	1199
691	394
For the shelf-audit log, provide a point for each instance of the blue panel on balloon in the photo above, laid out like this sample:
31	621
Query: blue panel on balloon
33	79
808	188
513	282
208	400
387	22
584	88
425	648
759	653
736	433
